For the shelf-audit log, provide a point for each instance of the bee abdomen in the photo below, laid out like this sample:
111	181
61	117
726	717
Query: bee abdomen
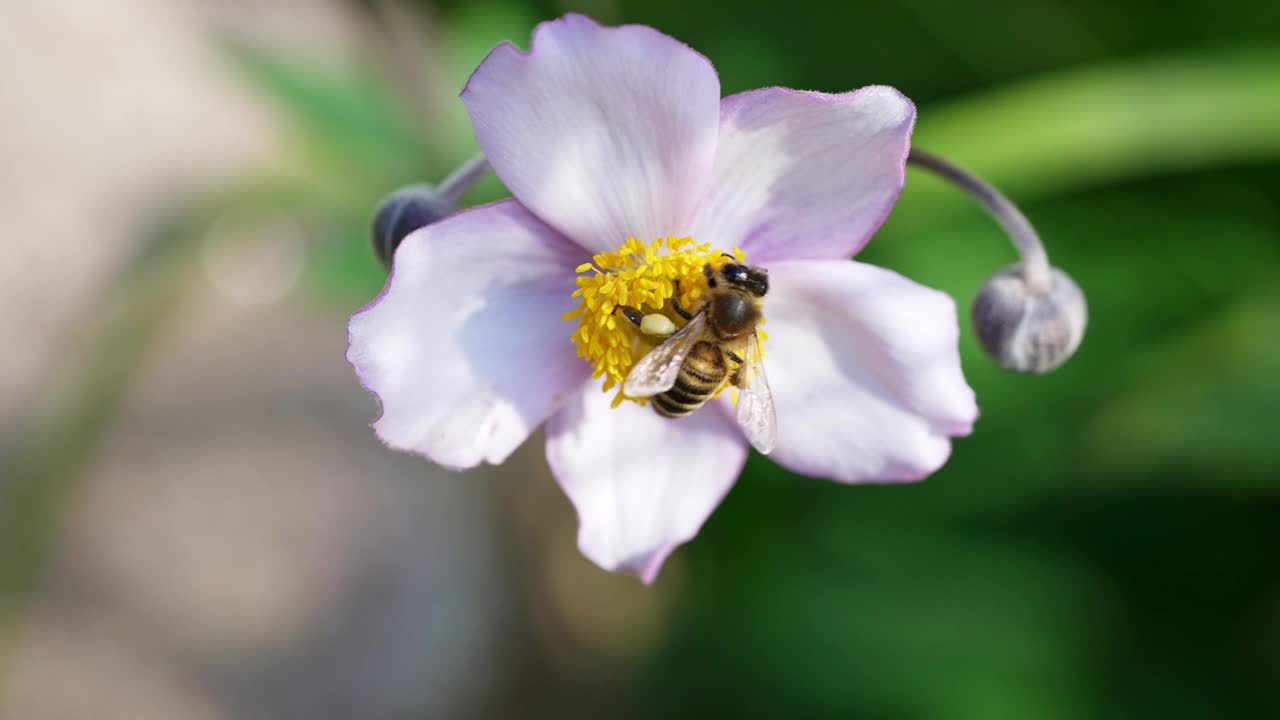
677	403
701	375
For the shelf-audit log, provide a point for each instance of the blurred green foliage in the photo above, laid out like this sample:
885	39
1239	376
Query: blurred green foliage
1105	544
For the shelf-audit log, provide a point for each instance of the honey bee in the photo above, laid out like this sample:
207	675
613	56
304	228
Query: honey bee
717	345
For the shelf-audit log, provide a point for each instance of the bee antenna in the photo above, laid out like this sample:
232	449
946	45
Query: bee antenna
725	254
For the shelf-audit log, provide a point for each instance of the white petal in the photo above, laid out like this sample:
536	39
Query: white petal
466	348
641	483
865	371
805	174
605	133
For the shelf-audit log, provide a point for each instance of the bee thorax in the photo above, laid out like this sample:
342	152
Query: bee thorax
732	314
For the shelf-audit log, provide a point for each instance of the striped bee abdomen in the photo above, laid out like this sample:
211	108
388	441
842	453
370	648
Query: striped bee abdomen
700	376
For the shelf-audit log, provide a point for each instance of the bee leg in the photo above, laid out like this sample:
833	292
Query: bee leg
734	376
632	314
675	304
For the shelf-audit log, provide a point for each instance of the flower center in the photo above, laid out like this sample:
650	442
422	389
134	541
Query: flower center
642	276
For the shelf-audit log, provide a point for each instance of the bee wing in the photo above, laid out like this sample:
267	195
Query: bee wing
756	415
656	372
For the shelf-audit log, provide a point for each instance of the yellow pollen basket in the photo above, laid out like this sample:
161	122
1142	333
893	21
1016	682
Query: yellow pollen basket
643	276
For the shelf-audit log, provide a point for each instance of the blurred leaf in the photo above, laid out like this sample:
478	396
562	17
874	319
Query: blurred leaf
1206	405
344	115
1109	122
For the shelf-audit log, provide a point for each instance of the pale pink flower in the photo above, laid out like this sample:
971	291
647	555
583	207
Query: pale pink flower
604	134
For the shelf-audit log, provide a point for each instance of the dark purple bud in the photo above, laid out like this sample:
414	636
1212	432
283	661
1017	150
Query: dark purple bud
402	212
1025	329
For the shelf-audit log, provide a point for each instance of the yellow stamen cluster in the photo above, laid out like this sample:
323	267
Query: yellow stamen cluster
643	276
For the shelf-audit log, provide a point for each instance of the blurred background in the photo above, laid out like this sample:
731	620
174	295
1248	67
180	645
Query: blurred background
196	521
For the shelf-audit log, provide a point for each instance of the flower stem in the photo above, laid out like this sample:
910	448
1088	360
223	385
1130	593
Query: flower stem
460	181
1035	261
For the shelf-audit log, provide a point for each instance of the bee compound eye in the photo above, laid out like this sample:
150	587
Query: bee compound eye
402	212
734	273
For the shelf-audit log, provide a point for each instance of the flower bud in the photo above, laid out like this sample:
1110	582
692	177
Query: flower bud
402	212
1027	331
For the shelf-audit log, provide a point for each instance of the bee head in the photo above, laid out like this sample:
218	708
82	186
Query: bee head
752	279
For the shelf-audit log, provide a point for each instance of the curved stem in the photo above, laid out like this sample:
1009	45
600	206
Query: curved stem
1035	261
460	181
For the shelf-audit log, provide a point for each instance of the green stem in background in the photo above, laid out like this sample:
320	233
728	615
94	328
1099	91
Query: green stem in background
82	396
77	404
399	35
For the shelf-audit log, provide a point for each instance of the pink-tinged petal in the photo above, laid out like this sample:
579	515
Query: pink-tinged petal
865	369
604	133
641	483
465	348
805	174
